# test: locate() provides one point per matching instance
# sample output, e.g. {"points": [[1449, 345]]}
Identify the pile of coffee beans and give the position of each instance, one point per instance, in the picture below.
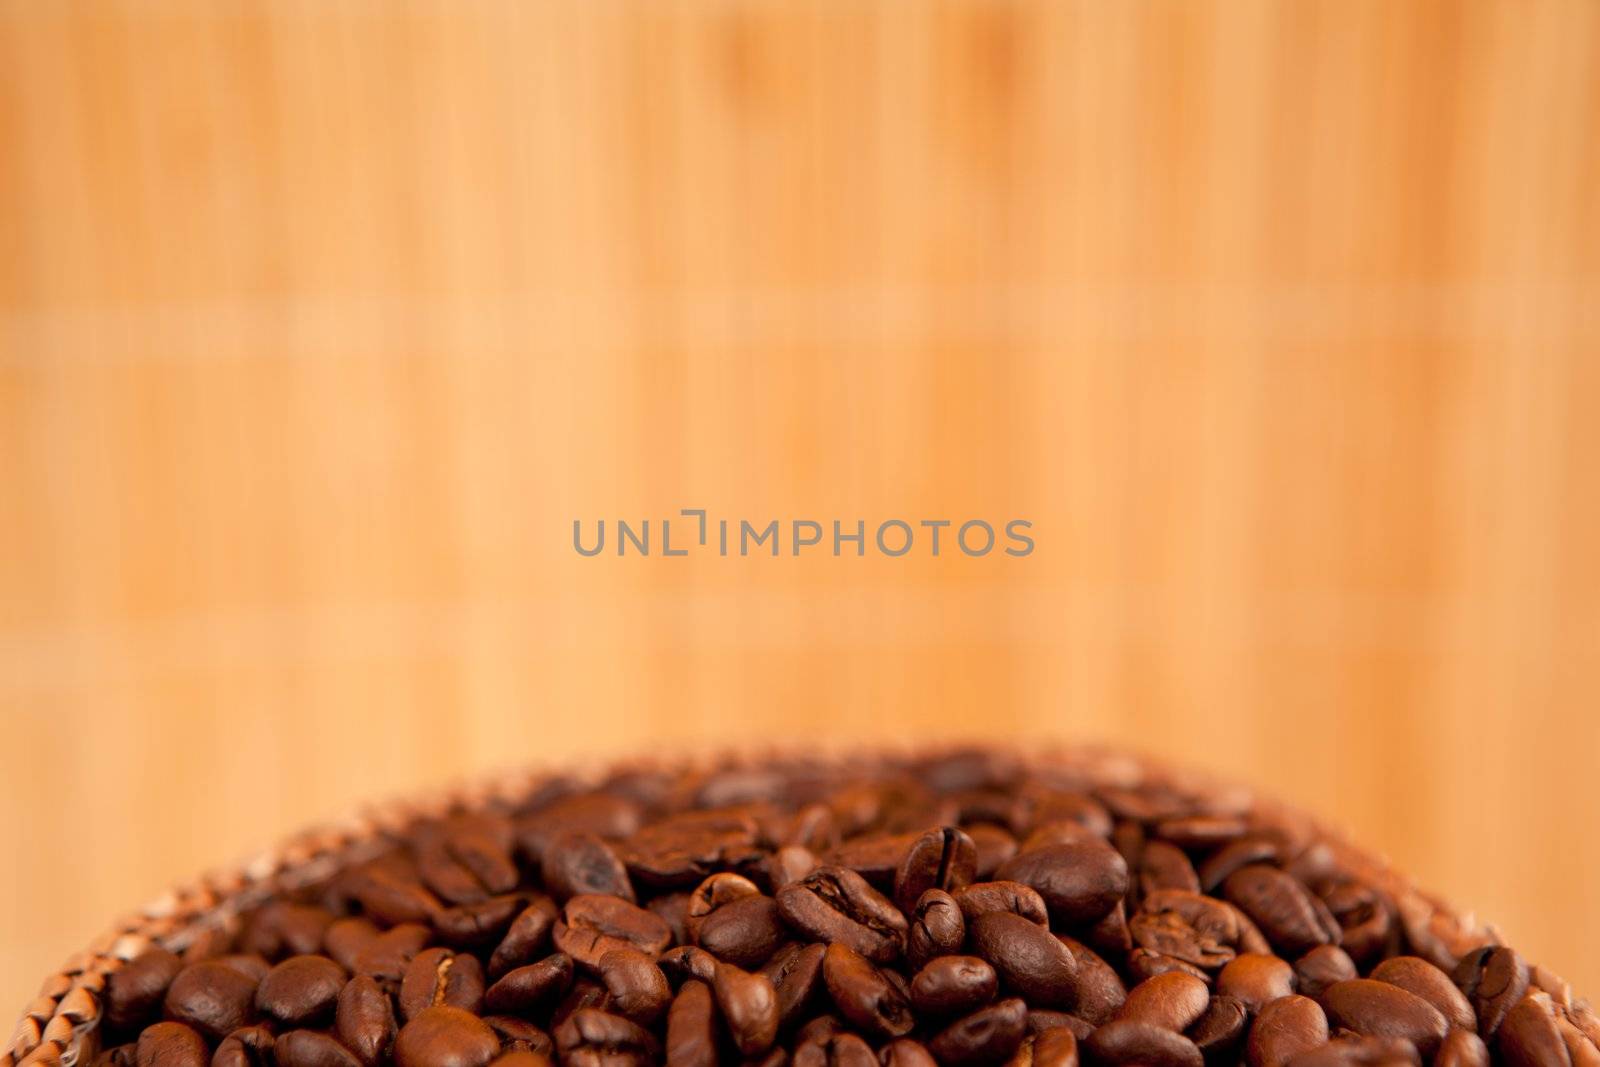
{"points": [[965, 909]]}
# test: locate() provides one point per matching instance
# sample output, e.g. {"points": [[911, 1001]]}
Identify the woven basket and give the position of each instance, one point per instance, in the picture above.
{"points": [[61, 1024]]}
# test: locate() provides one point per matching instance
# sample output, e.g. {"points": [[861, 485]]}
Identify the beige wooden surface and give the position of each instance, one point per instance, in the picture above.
{"points": [[320, 322]]}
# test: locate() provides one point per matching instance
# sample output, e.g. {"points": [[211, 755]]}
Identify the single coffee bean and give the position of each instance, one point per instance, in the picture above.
{"points": [[171, 1045], [691, 1027], [953, 985], [1293, 918], [1172, 1001], [1028, 958], [1129, 1042], [1283, 1029], [308, 1048], [1418, 976], [346, 939], [593, 1038], [593, 925], [1462, 1048], [837, 1050], [944, 859], [864, 995], [1322, 967], [364, 1019], [1056, 1046], [1360, 1052], [1377, 1009], [439, 976], [749, 1006], [1164, 866], [442, 1036], [835, 904], [1494, 979], [524, 990], [1220, 1030], [212, 997], [300, 991], [638, 989], [248, 964], [796, 974], [281, 928], [904, 1052], [937, 928], [1236, 855], [1256, 979], [743, 932], [988, 1035], [688, 961], [526, 937], [994, 846], [387, 955], [519, 1035], [579, 864], [1041, 1019], [1200, 832], [1144, 964], [1366, 917], [1080, 882], [1013, 897], [133, 993], [1097, 992], [1529, 1037], [249, 1046], [477, 924]]}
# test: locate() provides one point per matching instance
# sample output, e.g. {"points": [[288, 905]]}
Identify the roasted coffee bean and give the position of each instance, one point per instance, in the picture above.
{"points": [[391, 891], [133, 993], [939, 859], [993, 846], [1366, 918], [988, 1035], [387, 956], [685, 962], [744, 932], [1293, 918], [749, 1006], [1054, 1047], [835, 1050], [171, 1045], [1494, 979], [1028, 958], [477, 924], [937, 928], [1144, 964], [281, 928], [1529, 1037], [1013, 897], [1128, 1042], [443, 1036], [1320, 968], [1171, 1001], [1255, 979], [1462, 1048], [904, 1052], [248, 964], [1220, 1030], [364, 1019], [790, 864], [692, 1027], [300, 991], [1164, 866], [309, 1048], [212, 997], [835, 904], [466, 859], [1360, 1052], [1284, 1029], [526, 937], [1097, 990], [249, 1046], [1198, 930], [519, 1035], [580, 864], [346, 939], [1378, 1009], [439, 976], [1236, 855], [1079, 882], [1040, 1020], [1416, 975], [524, 990], [863, 995], [953, 985], [1200, 832], [638, 989], [594, 1038], [796, 974], [718, 890], [592, 925]]}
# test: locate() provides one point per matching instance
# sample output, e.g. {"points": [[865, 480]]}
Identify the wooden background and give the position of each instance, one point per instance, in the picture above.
{"points": [[321, 321]]}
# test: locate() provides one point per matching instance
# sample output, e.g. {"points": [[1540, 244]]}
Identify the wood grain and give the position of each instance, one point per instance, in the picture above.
{"points": [[320, 323]]}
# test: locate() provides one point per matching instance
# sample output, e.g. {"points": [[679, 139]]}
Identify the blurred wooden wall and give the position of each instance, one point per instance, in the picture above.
{"points": [[320, 322]]}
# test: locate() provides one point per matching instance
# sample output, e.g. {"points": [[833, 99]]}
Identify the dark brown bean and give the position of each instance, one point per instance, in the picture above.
{"points": [[364, 1019], [691, 1027], [249, 1046], [527, 936], [1220, 1030], [904, 1052], [749, 1006], [937, 928], [1128, 1042], [744, 932], [864, 995], [1013, 897], [1283, 1029], [1355, 1051], [1079, 882], [590, 1037], [953, 985], [988, 1035], [580, 864], [300, 991], [1378, 1009], [1494, 979], [346, 939], [1418, 976], [309, 1048], [1293, 919], [443, 1036], [170, 1044], [1027, 957], [1097, 990], [1171, 1001], [439, 976], [688, 961], [523, 990], [1320, 968], [1056, 1046], [212, 997], [1462, 1048], [796, 974], [133, 993], [1164, 866], [944, 859], [1256, 979], [592, 925], [1529, 1037], [835, 904], [637, 988]]}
